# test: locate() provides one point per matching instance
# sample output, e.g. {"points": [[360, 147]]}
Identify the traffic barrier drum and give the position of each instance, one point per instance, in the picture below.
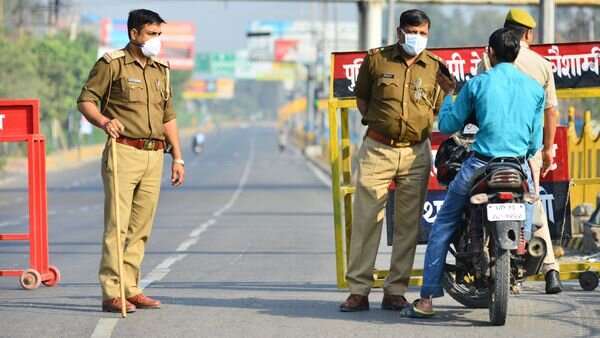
{"points": [[19, 122]]}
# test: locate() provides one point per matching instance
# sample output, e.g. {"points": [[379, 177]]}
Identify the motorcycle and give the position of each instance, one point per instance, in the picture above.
{"points": [[198, 143], [489, 256]]}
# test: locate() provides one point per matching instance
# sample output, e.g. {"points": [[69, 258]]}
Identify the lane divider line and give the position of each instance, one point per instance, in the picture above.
{"points": [[241, 185], [319, 173], [202, 228]]}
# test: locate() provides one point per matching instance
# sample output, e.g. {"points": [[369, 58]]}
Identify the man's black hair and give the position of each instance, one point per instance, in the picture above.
{"points": [[520, 30], [138, 18], [505, 44], [414, 17]]}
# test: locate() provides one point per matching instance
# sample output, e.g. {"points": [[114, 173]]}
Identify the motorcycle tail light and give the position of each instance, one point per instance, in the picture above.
{"points": [[479, 199], [506, 196], [531, 197], [510, 178]]}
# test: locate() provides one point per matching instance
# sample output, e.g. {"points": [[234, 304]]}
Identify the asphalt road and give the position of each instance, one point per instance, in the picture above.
{"points": [[244, 248]]}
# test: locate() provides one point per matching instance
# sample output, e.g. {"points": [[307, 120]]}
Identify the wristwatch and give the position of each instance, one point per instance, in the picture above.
{"points": [[179, 161]]}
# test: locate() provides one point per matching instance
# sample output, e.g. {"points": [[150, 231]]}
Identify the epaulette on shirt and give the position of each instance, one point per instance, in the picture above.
{"points": [[374, 51], [160, 61], [435, 57], [109, 56]]}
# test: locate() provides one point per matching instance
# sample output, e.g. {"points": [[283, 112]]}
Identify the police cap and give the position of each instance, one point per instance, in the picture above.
{"points": [[520, 17]]}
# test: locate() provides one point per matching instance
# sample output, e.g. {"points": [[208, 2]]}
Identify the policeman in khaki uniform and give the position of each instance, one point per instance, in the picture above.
{"points": [[540, 69], [397, 95], [132, 87]]}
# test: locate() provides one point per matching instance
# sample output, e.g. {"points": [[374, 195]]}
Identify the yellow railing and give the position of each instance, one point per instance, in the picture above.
{"points": [[584, 155]]}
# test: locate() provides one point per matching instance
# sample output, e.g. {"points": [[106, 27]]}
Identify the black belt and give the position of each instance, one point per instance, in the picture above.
{"points": [[485, 158]]}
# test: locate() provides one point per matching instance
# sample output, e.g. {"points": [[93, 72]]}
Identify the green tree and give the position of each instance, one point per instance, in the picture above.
{"points": [[63, 66]]}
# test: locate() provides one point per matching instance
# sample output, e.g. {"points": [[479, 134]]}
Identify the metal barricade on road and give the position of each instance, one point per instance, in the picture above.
{"points": [[19, 122]]}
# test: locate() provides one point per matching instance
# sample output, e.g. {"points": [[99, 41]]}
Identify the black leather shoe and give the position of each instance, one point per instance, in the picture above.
{"points": [[553, 284]]}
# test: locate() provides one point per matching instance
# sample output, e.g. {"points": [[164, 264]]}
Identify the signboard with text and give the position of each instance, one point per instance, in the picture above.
{"points": [[574, 65]]}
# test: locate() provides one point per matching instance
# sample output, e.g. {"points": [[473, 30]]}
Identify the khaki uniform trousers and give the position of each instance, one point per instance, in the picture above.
{"points": [[543, 232], [139, 173], [378, 165]]}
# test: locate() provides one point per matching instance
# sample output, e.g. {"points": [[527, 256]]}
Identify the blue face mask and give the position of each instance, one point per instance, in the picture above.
{"points": [[413, 44]]}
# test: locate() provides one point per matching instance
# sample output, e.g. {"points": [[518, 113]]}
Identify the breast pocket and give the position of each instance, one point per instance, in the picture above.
{"points": [[387, 89], [133, 91]]}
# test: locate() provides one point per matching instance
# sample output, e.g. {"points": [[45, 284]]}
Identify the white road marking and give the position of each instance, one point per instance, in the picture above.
{"points": [[5, 224], [241, 185], [170, 261], [105, 327], [240, 255], [186, 244], [202, 228], [319, 173]]}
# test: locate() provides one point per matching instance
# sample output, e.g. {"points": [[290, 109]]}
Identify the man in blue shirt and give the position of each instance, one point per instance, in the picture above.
{"points": [[509, 107]]}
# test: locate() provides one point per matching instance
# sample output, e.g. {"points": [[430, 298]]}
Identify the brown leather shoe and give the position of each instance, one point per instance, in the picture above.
{"points": [[114, 305], [354, 303], [141, 301], [394, 302]]}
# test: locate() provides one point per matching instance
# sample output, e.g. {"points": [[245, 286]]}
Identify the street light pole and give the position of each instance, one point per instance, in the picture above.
{"points": [[391, 36], [547, 13]]}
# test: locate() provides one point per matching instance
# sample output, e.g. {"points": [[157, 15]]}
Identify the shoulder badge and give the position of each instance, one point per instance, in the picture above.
{"points": [[160, 61], [434, 57], [109, 56], [374, 51]]}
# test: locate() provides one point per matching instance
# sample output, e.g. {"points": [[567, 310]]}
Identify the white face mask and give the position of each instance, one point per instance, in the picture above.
{"points": [[413, 44], [151, 47]]}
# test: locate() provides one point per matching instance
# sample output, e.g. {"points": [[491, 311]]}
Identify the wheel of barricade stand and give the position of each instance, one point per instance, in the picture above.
{"points": [[55, 276], [30, 279], [588, 280]]}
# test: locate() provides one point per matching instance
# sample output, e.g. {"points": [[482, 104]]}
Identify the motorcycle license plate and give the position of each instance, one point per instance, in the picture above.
{"points": [[505, 212]]}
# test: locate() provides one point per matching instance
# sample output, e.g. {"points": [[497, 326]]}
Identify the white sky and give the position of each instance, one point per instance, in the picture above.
{"points": [[220, 25]]}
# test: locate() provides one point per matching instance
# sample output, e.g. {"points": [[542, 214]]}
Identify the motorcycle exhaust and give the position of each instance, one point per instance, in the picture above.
{"points": [[537, 247], [536, 253]]}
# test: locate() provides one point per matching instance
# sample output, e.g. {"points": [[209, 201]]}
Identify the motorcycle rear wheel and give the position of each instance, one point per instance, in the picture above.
{"points": [[499, 286], [462, 293]]}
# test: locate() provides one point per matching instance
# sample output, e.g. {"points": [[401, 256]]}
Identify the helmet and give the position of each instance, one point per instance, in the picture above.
{"points": [[448, 160]]}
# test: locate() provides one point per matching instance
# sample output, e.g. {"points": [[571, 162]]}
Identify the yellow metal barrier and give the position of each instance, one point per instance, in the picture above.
{"points": [[584, 155], [583, 152]]}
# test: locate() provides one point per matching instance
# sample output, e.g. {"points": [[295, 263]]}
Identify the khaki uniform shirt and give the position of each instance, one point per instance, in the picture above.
{"points": [[402, 99], [136, 96], [535, 66]]}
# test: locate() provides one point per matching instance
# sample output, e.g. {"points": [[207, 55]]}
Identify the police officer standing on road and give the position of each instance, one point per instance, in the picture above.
{"points": [[133, 89], [535, 66], [397, 95]]}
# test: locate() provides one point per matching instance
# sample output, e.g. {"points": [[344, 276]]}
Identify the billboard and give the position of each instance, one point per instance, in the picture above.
{"points": [[202, 89], [299, 41], [178, 41]]}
